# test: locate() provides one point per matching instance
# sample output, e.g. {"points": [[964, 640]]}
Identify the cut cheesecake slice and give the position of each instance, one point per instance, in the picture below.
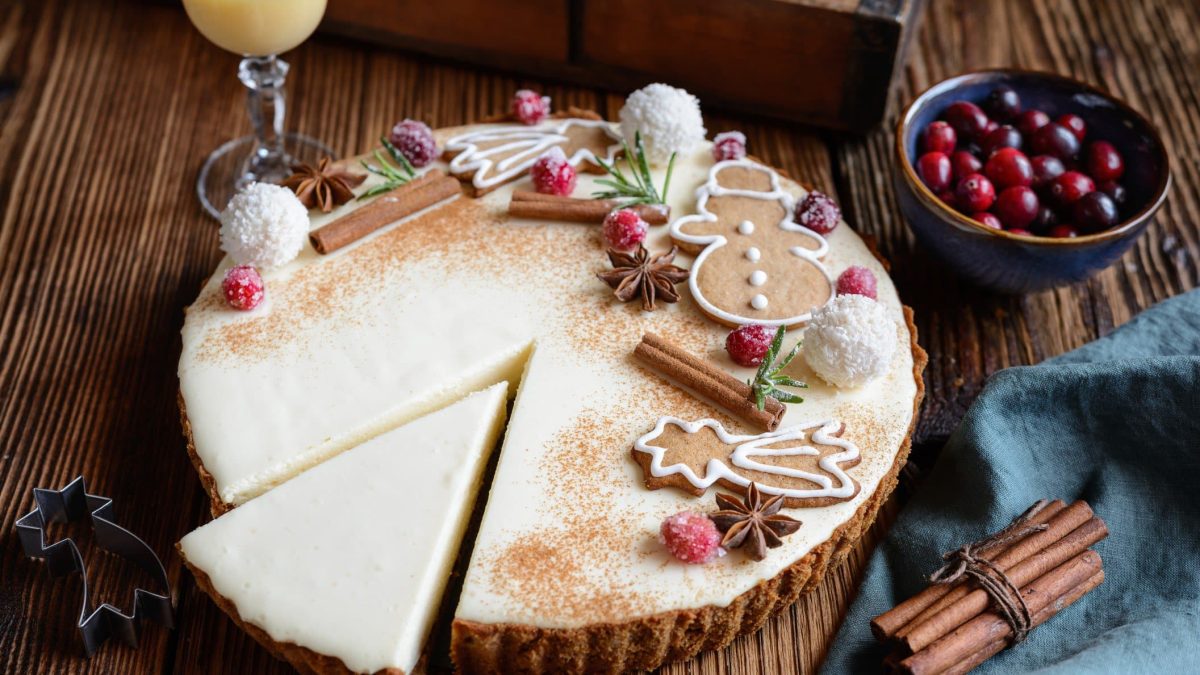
{"points": [[342, 568]]}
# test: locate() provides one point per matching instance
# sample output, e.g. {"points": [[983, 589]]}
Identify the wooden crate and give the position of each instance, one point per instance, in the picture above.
{"points": [[825, 62]]}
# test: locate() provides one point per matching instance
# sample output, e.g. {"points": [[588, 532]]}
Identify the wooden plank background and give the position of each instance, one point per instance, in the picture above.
{"points": [[107, 108]]}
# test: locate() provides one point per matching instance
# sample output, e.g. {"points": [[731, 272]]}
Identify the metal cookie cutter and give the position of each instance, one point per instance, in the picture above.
{"points": [[71, 504]]}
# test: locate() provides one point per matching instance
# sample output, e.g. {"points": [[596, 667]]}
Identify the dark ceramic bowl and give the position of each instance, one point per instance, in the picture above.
{"points": [[1018, 263]]}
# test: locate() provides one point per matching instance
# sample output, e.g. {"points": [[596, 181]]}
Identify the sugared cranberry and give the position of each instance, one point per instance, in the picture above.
{"points": [[987, 218], [1046, 168], [729, 145], [818, 213], [530, 107], [552, 174], [748, 344], [1055, 139], [1017, 207], [975, 193], [415, 141], [1069, 187], [1075, 123], [1003, 137], [1046, 219], [242, 287], [1032, 120], [939, 137], [1063, 232], [1116, 191], [857, 280], [1002, 103], [1095, 211], [691, 537], [964, 164], [624, 229], [934, 170], [1008, 167], [968, 120], [1103, 162]]}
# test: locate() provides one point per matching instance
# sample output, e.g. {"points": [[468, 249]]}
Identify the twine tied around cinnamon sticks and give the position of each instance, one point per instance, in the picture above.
{"points": [[968, 560]]}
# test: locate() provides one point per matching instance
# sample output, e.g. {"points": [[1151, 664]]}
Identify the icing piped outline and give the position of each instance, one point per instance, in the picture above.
{"points": [[712, 242], [751, 446], [468, 157]]}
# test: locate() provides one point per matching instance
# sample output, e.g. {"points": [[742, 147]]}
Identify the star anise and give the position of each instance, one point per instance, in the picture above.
{"points": [[753, 522], [640, 275], [323, 186]]}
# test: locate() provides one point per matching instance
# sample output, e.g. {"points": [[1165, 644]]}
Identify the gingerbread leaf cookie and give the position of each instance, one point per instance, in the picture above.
{"points": [[754, 263], [494, 156], [805, 464]]}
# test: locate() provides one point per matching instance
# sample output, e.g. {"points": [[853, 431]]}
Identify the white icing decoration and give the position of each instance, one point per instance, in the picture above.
{"points": [[531, 142], [753, 254], [758, 278], [712, 188], [748, 447], [746, 227], [759, 301]]}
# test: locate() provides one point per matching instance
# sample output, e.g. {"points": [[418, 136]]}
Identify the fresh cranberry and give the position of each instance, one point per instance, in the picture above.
{"points": [[691, 537], [552, 174], [530, 107], [1075, 123], [992, 125], [415, 141], [987, 218], [1046, 219], [1095, 211], [964, 164], [1055, 139], [748, 344], [947, 197], [1008, 167], [975, 193], [1045, 169], [968, 120], [818, 213], [729, 145], [934, 170], [1103, 162], [1017, 206], [624, 229], [1002, 103], [1021, 231], [857, 280], [1069, 187], [1063, 231], [975, 149], [939, 137], [242, 287], [1003, 137], [1032, 120], [1116, 191]]}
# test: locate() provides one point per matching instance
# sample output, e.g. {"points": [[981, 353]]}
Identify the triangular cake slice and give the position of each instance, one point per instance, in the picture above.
{"points": [[342, 568]]}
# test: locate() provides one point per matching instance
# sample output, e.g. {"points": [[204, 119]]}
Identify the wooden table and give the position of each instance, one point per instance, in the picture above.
{"points": [[107, 108]]}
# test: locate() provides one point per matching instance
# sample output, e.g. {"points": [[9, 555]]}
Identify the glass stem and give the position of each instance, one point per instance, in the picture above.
{"points": [[264, 78]]}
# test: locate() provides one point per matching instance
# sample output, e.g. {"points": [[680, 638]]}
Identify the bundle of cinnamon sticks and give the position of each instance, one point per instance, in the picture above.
{"points": [[952, 628]]}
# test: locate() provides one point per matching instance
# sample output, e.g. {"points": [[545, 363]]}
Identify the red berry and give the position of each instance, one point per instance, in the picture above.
{"points": [[1095, 211], [934, 170], [857, 280], [552, 174], [968, 120], [1002, 137], [1017, 207], [1002, 103], [530, 107], [939, 137], [987, 218], [1116, 191], [1017, 230], [1046, 168], [729, 145], [624, 229], [975, 193], [992, 125], [1103, 162], [1055, 139], [818, 213], [1008, 167], [243, 287], [965, 164], [691, 537], [947, 197], [1075, 123], [1063, 232], [747, 345], [1047, 219], [1032, 120], [415, 141], [1069, 187]]}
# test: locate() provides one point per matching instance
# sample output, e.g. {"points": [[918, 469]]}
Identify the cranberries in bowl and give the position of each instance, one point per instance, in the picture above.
{"points": [[1021, 180]]}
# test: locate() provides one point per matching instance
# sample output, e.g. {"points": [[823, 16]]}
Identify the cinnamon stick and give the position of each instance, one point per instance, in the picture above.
{"points": [[976, 601], [1047, 591], [707, 381], [526, 204], [916, 609], [419, 193]]}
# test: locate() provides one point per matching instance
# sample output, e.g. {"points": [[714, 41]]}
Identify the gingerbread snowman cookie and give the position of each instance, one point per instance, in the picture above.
{"points": [[754, 263]]}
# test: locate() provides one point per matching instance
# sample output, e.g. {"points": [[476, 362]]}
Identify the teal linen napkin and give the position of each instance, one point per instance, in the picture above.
{"points": [[1117, 423]]}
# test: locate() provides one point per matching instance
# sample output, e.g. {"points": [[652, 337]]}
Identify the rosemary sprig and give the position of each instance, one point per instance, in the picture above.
{"points": [[638, 186], [393, 175], [767, 380]]}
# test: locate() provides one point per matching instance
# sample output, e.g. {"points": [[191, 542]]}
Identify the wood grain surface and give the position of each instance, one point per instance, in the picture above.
{"points": [[107, 109]]}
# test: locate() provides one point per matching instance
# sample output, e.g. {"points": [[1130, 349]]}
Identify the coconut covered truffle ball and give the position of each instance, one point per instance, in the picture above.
{"points": [[668, 119], [850, 341], [263, 226]]}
